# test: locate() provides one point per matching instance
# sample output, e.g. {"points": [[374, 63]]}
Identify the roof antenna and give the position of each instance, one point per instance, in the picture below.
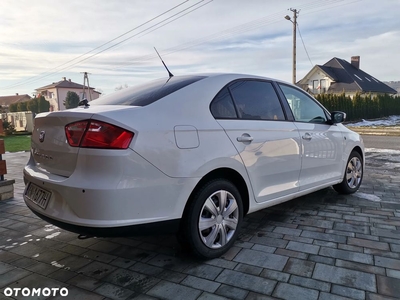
{"points": [[169, 73]]}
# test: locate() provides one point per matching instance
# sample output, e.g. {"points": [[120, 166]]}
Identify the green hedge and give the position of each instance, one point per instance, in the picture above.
{"points": [[362, 106]]}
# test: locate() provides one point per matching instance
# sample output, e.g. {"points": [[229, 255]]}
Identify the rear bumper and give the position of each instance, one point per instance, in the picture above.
{"points": [[109, 194], [164, 227]]}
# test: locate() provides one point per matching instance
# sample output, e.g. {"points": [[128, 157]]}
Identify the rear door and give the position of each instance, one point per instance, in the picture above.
{"points": [[322, 143], [252, 116]]}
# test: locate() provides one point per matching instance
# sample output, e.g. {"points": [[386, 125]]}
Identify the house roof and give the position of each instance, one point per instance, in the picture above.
{"points": [[348, 78], [7, 100], [68, 84]]}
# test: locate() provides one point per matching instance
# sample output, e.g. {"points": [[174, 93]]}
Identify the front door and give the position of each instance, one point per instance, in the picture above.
{"points": [[322, 143]]}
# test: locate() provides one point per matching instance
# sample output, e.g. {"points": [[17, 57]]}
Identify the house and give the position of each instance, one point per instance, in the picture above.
{"points": [[22, 120], [5, 101], [338, 76], [56, 93]]}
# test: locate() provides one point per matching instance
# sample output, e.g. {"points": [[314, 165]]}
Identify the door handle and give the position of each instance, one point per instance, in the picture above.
{"points": [[245, 138], [307, 136]]}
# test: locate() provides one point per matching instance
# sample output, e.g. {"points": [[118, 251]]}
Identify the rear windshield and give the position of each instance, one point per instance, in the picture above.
{"points": [[148, 93]]}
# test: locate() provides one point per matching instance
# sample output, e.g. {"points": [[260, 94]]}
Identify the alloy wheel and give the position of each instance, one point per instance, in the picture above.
{"points": [[354, 172]]}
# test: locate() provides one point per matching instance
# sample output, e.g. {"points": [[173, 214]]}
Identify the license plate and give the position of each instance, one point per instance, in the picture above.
{"points": [[38, 195]]}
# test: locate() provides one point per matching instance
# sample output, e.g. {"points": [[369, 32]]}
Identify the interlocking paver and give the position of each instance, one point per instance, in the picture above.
{"points": [[289, 291], [248, 282], [324, 236], [368, 244], [169, 290], [310, 283], [321, 245], [347, 255], [299, 267], [302, 247], [388, 286], [262, 259], [359, 267], [350, 278], [232, 292], [114, 292], [387, 262], [348, 292], [275, 275], [12, 276], [201, 284]]}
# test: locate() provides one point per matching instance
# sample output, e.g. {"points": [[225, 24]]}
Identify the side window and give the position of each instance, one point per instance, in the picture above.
{"points": [[222, 106], [304, 108], [256, 100]]}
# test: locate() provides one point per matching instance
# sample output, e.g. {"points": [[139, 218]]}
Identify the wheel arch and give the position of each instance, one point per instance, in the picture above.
{"points": [[230, 175], [359, 151]]}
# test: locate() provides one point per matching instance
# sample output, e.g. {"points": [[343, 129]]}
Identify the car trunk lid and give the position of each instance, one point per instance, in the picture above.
{"points": [[49, 146]]}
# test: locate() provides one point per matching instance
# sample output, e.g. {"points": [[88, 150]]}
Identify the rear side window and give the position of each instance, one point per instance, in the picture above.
{"points": [[256, 100], [222, 106], [148, 93]]}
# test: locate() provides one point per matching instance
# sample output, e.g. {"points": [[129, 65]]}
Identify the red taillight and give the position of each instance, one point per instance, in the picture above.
{"points": [[97, 134], [74, 132]]}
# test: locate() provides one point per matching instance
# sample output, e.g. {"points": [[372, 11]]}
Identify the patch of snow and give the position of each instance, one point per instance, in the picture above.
{"points": [[53, 235], [386, 151], [390, 121], [50, 228], [367, 197], [8, 152], [56, 264]]}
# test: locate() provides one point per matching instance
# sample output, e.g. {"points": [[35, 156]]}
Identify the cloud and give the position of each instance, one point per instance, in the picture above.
{"points": [[223, 36]]}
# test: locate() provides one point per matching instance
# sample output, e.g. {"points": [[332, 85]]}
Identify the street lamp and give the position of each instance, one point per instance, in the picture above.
{"points": [[295, 13]]}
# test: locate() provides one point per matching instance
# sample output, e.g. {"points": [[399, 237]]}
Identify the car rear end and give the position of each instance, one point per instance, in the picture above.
{"points": [[84, 175]]}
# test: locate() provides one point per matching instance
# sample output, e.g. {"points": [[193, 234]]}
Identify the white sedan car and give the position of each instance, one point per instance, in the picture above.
{"points": [[188, 154]]}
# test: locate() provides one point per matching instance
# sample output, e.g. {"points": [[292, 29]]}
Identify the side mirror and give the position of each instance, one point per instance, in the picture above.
{"points": [[338, 117]]}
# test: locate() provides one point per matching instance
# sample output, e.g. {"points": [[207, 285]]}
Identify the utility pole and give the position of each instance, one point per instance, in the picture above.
{"points": [[295, 14], [86, 79]]}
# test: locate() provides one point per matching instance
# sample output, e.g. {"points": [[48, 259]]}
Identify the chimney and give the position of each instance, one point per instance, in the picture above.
{"points": [[69, 79], [64, 78], [16, 94], [355, 62]]}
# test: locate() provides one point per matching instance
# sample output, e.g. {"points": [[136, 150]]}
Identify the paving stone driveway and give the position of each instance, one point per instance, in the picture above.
{"points": [[321, 246]]}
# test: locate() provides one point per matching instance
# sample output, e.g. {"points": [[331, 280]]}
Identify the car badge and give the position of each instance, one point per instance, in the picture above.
{"points": [[41, 136]]}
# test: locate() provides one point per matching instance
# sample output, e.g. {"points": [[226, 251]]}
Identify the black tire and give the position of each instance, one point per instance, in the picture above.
{"points": [[217, 224], [353, 175]]}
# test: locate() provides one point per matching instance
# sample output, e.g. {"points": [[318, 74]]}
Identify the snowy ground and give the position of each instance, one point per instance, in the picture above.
{"points": [[390, 121]]}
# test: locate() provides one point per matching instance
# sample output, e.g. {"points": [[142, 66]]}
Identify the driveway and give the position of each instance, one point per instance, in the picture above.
{"points": [[320, 246]]}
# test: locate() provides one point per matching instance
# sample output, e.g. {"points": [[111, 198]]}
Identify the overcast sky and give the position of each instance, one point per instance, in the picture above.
{"points": [[42, 41]]}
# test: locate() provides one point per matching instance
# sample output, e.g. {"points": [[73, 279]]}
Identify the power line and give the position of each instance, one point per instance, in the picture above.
{"points": [[217, 36], [298, 29], [245, 27], [110, 41]]}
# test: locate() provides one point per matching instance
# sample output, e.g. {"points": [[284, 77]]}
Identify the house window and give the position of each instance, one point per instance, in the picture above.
{"points": [[323, 86], [315, 86]]}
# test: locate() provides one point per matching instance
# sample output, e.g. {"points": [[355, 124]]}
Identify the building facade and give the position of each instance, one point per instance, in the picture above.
{"points": [[338, 76], [56, 93]]}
